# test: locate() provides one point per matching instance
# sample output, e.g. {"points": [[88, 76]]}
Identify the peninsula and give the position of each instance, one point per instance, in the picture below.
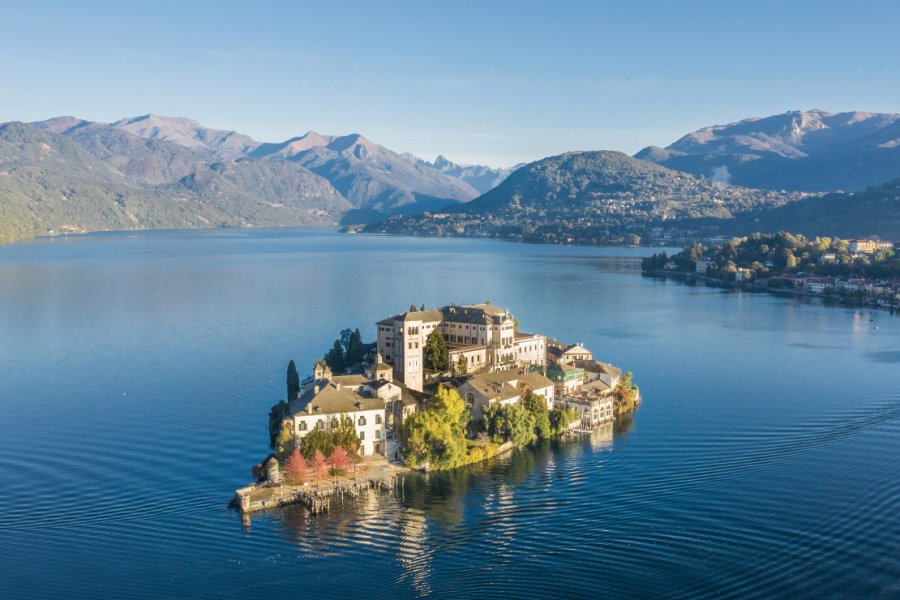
{"points": [[438, 389]]}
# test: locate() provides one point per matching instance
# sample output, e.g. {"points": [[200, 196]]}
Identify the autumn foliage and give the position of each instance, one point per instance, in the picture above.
{"points": [[295, 469], [319, 465], [340, 460]]}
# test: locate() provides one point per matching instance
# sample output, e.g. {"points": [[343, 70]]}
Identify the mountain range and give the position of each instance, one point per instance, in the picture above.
{"points": [[812, 151], [69, 174], [599, 197]]}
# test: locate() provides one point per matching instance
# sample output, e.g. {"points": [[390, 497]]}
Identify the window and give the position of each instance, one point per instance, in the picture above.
{"points": [[320, 424], [362, 421], [377, 434], [301, 426], [362, 435], [334, 423], [378, 419]]}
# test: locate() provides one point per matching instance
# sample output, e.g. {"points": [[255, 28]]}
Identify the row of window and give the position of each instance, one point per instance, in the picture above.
{"points": [[320, 424]]}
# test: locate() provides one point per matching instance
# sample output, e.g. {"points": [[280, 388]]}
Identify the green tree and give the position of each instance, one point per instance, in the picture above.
{"points": [[353, 353], [317, 440], [412, 308], [437, 435], [519, 424], [462, 365], [558, 421], [345, 435], [276, 415], [286, 441], [293, 381], [537, 406], [625, 395], [335, 357], [436, 352]]}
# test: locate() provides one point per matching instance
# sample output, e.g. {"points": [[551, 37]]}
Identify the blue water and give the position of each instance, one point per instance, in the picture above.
{"points": [[136, 372]]}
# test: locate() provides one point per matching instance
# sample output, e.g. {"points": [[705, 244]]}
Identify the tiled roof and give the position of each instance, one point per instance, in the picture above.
{"points": [[351, 380], [332, 399]]}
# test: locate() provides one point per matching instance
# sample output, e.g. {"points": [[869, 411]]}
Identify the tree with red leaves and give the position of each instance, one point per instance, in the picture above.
{"points": [[295, 469], [339, 461], [320, 465]]}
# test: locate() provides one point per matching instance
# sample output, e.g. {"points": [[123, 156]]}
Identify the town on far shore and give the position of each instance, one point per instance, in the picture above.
{"points": [[853, 272], [439, 388]]}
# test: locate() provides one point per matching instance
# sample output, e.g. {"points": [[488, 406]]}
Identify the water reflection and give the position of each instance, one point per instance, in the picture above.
{"points": [[435, 514]]}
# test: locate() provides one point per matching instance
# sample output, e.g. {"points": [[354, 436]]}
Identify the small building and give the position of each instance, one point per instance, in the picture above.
{"points": [[605, 372], [567, 378], [591, 410], [508, 387], [702, 266], [560, 353]]}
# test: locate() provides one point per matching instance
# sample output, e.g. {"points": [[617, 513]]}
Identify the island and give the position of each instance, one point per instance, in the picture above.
{"points": [[437, 389]]}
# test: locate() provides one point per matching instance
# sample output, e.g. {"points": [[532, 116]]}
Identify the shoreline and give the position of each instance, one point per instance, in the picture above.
{"points": [[319, 497], [829, 299]]}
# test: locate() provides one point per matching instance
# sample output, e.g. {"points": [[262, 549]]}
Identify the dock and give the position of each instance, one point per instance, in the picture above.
{"points": [[317, 497]]}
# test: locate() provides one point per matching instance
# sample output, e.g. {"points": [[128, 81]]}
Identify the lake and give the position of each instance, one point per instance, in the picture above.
{"points": [[137, 370]]}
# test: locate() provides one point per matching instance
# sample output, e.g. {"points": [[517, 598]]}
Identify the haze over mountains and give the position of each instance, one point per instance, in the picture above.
{"points": [[65, 174], [68, 174], [813, 151], [599, 197]]}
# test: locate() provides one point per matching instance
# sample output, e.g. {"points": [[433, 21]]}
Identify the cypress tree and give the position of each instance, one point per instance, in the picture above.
{"points": [[293, 381]]}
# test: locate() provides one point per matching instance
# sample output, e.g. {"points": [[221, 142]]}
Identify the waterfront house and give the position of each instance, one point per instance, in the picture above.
{"points": [[591, 410]]}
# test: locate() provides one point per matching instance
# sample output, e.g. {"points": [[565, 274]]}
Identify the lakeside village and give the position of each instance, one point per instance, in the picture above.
{"points": [[852, 272], [438, 389]]}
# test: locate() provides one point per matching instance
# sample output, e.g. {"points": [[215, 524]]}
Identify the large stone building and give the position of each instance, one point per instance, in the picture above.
{"points": [[375, 403], [484, 335]]}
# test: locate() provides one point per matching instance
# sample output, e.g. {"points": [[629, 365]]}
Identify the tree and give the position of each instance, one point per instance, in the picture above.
{"points": [[293, 381], [462, 365], [558, 421], [353, 353], [437, 435], [537, 406], [335, 357], [345, 436], [276, 416], [519, 424], [295, 469], [511, 422], [319, 466], [286, 440], [412, 308], [317, 440], [624, 395], [340, 461], [436, 353]]}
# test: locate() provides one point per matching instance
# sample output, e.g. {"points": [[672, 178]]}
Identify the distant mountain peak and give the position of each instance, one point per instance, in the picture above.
{"points": [[808, 150]]}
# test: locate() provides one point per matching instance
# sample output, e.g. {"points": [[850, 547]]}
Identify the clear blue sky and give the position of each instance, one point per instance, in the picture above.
{"points": [[493, 82]]}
